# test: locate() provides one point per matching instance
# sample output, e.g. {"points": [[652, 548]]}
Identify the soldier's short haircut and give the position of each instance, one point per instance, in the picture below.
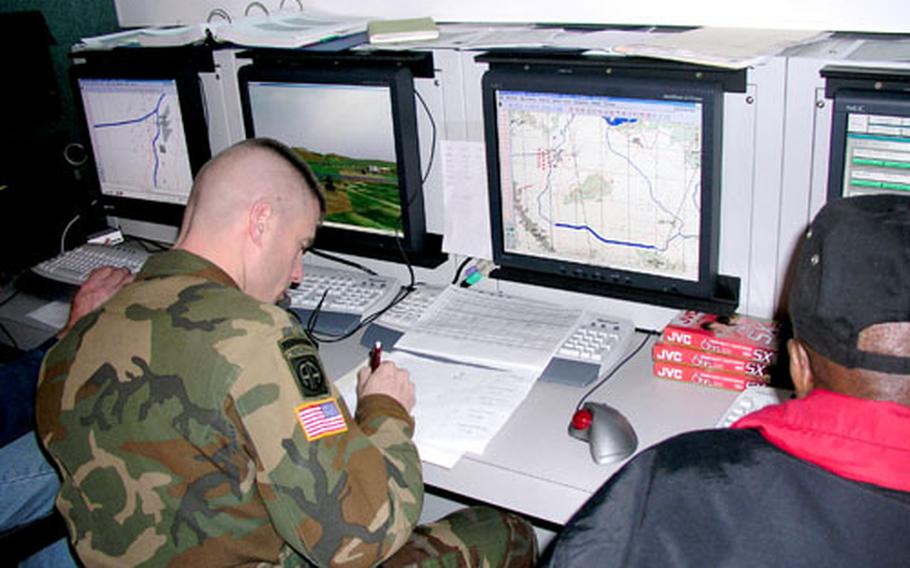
{"points": [[290, 156]]}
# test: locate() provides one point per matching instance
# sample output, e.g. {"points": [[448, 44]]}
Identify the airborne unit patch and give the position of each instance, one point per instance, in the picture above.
{"points": [[320, 418], [304, 364]]}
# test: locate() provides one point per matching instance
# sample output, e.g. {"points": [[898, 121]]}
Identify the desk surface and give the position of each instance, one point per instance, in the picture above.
{"points": [[532, 466]]}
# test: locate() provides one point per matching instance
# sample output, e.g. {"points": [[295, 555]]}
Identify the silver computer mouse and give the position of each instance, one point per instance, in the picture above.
{"points": [[607, 431]]}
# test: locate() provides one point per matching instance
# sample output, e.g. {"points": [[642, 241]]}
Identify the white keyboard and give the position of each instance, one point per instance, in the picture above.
{"points": [[750, 400], [465, 321], [597, 338], [403, 315], [349, 292], [74, 266]]}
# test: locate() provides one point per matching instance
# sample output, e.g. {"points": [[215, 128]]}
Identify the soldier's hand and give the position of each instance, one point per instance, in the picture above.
{"points": [[389, 380]]}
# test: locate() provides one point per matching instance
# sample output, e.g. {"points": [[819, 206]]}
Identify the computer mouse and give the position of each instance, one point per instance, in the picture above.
{"points": [[607, 431]]}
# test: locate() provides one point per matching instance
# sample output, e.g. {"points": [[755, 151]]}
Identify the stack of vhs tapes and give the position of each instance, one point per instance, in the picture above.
{"points": [[731, 352]]}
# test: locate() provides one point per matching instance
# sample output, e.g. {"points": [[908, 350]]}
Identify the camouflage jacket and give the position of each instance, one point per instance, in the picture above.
{"points": [[193, 425]]}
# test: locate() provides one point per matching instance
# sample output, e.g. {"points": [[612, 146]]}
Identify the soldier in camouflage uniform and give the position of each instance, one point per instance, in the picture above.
{"points": [[191, 419]]}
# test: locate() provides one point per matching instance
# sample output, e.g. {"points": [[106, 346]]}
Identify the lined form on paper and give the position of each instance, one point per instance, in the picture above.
{"points": [[459, 407], [483, 328]]}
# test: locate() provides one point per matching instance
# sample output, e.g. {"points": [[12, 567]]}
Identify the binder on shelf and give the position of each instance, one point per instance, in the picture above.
{"points": [[393, 31]]}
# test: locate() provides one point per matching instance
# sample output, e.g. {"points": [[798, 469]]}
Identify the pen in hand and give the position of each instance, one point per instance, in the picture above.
{"points": [[376, 356]]}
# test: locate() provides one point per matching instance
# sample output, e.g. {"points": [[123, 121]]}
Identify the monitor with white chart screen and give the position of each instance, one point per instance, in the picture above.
{"points": [[870, 144], [605, 181], [148, 138]]}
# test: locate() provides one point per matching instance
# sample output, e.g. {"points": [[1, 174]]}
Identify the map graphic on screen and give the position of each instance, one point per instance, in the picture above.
{"points": [[137, 135], [602, 181]]}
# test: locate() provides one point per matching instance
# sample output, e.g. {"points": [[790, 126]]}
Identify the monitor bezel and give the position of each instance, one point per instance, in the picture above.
{"points": [[846, 102], [195, 131], [605, 280], [400, 83]]}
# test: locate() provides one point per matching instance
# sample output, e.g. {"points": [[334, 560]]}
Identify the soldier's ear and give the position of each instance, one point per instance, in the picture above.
{"points": [[800, 368], [258, 222]]}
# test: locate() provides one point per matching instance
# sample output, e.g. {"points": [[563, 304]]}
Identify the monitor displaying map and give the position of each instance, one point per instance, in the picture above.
{"points": [[603, 180], [137, 135], [145, 122]]}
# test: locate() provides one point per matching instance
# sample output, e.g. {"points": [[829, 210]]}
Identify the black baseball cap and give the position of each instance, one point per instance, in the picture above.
{"points": [[853, 271]]}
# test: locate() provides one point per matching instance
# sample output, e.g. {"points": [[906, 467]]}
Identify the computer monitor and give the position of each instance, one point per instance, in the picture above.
{"points": [[607, 185], [148, 136], [870, 144], [357, 130]]}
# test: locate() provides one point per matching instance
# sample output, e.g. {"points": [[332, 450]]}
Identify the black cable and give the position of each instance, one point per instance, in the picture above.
{"points": [[10, 336], [314, 315], [6, 300], [432, 159], [459, 269], [340, 260], [402, 293], [615, 368], [407, 261]]}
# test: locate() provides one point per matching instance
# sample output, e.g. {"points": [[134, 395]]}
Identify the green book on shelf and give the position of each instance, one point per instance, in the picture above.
{"points": [[392, 31]]}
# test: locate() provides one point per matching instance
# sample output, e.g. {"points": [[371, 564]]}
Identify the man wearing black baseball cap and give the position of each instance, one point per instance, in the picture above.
{"points": [[823, 480]]}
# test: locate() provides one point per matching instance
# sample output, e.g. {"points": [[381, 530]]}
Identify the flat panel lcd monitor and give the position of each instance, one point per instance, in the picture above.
{"points": [[870, 144], [357, 130], [148, 138], [605, 180]]}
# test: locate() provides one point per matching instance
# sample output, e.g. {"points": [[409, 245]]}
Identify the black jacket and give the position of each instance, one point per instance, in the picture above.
{"points": [[731, 498]]}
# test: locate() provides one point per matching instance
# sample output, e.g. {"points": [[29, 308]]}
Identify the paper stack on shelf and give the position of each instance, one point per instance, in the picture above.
{"points": [[149, 37], [290, 29], [732, 352], [285, 29], [733, 48]]}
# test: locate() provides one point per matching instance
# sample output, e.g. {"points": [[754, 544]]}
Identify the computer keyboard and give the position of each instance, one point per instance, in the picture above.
{"points": [[583, 344], [404, 314], [391, 325], [74, 266], [349, 296], [594, 347], [750, 400]]}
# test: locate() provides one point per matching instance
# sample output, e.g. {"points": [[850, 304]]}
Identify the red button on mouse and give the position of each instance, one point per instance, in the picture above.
{"points": [[582, 419]]}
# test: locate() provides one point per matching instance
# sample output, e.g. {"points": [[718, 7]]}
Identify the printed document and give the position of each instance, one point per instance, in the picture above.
{"points": [[459, 407], [489, 329]]}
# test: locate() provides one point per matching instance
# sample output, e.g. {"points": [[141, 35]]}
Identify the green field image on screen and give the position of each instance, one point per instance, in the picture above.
{"points": [[359, 192]]}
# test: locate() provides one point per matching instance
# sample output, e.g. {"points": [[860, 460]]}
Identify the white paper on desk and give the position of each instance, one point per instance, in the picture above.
{"points": [[494, 330], [53, 314], [467, 215], [459, 407]]}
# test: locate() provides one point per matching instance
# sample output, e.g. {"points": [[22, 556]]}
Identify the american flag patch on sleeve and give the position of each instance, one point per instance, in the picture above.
{"points": [[321, 418]]}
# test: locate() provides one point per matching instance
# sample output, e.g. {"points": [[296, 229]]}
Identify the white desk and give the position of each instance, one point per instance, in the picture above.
{"points": [[532, 466]]}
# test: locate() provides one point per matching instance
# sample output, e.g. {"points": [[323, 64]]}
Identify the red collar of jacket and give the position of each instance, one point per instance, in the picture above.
{"points": [[862, 440]]}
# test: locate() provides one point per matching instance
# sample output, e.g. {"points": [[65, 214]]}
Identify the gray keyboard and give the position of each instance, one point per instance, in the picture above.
{"points": [[74, 266], [403, 315], [750, 400], [593, 348], [345, 291]]}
